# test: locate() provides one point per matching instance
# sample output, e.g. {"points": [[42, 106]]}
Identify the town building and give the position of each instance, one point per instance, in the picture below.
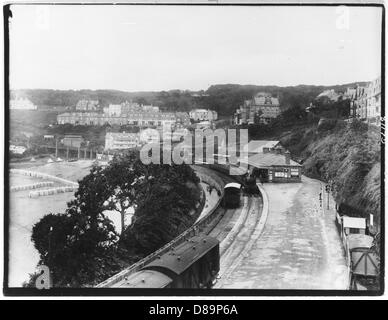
{"points": [[114, 110], [365, 103], [141, 119], [22, 104], [72, 141], [121, 140], [262, 108], [374, 101], [150, 136], [182, 119], [203, 115], [87, 105], [126, 108]]}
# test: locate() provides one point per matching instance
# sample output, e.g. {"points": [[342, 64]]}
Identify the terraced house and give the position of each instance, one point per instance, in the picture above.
{"points": [[365, 103], [122, 114]]}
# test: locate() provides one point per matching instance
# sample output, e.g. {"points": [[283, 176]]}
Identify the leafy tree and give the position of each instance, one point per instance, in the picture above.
{"points": [[81, 246]]}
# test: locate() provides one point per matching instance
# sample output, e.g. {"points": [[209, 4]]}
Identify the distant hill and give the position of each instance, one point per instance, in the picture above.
{"points": [[223, 98]]}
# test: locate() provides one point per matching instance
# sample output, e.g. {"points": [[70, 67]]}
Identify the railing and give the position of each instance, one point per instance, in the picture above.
{"points": [[44, 176], [206, 222], [49, 192], [32, 186]]}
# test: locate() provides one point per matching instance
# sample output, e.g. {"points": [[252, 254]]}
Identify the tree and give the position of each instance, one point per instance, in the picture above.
{"points": [[81, 246], [124, 174], [162, 215]]}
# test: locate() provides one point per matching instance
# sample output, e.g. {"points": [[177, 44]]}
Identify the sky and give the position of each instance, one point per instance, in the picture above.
{"points": [[153, 48]]}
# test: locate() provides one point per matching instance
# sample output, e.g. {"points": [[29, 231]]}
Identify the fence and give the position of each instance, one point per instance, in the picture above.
{"points": [[32, 186], [70, 186], [206, 222], [49, 192], [44, 176]]}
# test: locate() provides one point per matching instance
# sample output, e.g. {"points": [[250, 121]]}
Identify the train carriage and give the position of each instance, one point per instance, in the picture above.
{"points": [[232, 192], [192, 264]]}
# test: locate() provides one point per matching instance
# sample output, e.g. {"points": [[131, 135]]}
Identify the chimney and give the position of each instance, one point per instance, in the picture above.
{"points": [[287, 155]]}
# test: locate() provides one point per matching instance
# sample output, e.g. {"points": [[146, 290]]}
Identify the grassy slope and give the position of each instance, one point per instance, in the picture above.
{"points": [[347, 154]]}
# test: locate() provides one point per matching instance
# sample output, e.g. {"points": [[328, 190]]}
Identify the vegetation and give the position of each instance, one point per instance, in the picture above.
{"points": [[222, 98], [330, 149], [348, 155], [81, 246]]}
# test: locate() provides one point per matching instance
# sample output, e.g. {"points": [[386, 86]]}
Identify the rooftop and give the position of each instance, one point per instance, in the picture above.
{"points": [[258, 145], [263, 160]]}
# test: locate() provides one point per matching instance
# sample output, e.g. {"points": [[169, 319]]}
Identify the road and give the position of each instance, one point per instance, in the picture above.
{"points": [[299, 247]]}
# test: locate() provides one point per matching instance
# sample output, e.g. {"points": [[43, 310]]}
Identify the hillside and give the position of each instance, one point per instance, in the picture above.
{"points": [[347, 154], [224, 98]]}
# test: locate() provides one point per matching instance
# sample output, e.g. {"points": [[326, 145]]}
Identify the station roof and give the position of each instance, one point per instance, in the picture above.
{"points": [[265, 160], [180, 258], [258, 145]]}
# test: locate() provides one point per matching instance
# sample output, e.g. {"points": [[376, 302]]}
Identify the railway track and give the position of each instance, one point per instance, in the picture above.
{"points": [[230, 226], [240, 244], [237, 230]]}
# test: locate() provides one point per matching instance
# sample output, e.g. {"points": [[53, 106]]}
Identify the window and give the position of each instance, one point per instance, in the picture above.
{"points": [[294, 172], [279, 174]]}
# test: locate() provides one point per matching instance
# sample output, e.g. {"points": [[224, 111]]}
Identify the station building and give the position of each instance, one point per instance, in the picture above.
{"points": [[269, 161]]}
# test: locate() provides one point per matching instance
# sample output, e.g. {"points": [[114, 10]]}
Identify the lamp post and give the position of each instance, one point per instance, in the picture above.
{"points": [[49, 258]]}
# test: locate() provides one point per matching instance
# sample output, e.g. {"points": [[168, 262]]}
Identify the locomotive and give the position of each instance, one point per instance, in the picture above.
{"points": [[250, 186], [194, 263]]}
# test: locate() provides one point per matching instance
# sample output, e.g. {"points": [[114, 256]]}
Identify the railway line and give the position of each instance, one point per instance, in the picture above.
{"points": [[229, 228], [237, 231]]}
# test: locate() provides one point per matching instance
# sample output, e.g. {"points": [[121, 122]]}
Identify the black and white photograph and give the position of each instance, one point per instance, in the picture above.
{"points": [[194, 148]]}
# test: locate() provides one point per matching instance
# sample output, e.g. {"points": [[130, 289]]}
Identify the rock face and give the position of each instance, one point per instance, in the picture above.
{"points": [[346, 154]]}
